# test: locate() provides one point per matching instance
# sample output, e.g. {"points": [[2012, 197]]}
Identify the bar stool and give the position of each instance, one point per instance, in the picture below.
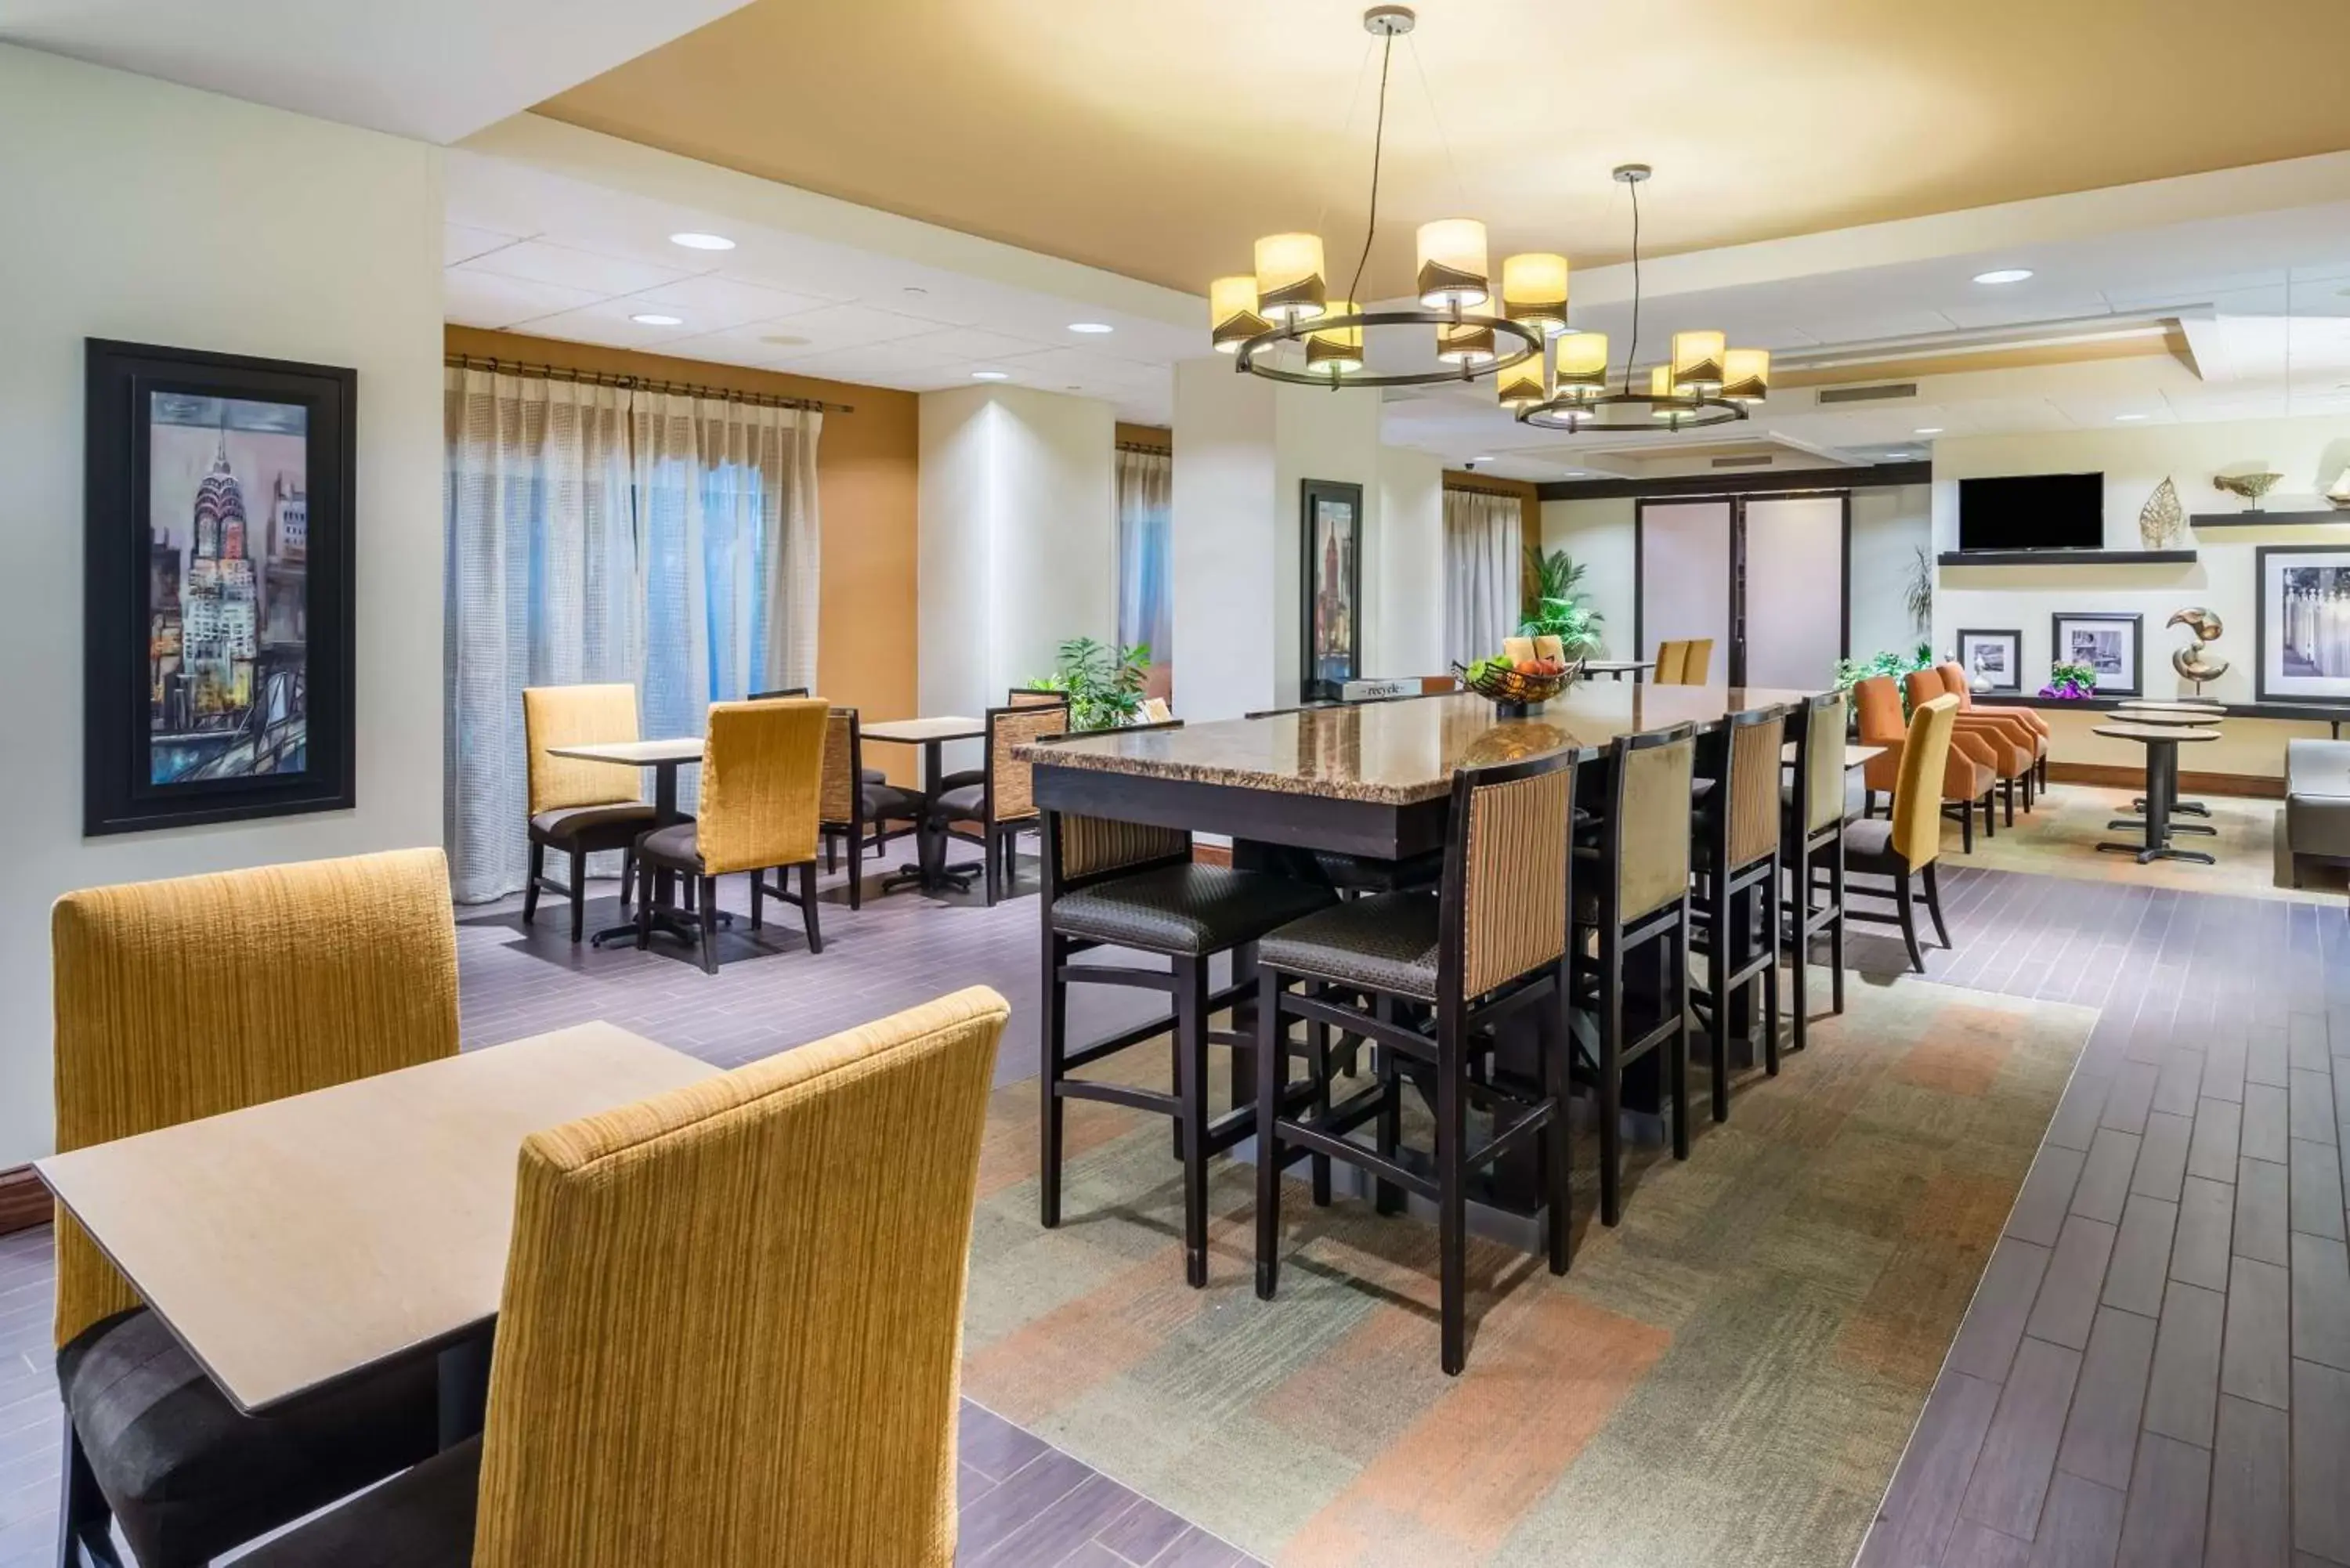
{"points": [[1632, 894], [1909, 840], [1731, 911], [1491, 941], [1810, 841], [1126, 885]]}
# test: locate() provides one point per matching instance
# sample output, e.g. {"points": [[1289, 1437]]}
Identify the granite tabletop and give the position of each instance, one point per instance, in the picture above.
{"points": [[1396, 753]]}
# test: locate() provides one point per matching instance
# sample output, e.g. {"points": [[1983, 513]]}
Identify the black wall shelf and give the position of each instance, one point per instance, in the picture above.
{"points": [[2303, 712], [2266, 519], [2065, 558]]}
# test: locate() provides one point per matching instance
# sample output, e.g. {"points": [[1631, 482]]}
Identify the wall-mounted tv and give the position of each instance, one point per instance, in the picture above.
{"points": [[2032, 512]]}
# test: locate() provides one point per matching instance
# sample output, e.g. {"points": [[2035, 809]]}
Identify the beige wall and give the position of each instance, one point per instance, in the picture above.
{"points": [[1599, 534], [866, 465]]}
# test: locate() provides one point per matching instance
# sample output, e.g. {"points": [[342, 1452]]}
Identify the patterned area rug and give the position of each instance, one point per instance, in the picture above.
{"points": [[1730, 1375]]}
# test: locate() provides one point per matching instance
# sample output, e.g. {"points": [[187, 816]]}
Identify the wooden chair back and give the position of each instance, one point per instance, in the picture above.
{"points": [[206, 994], [1504, 897], [575, 716], [762, 784], [733, 1321]]}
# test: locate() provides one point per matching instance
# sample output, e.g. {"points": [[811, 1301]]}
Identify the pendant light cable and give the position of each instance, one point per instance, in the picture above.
{"points": [[1632, 354], [1378, 137]]}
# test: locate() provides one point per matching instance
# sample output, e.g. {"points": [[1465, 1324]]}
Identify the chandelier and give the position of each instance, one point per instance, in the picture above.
{"points": [[1286, 298], [1706, 381]]}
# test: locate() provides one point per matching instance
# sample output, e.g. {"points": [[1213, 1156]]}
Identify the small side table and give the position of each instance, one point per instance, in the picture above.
{"points": [[2161, 743], [2176, 716]]}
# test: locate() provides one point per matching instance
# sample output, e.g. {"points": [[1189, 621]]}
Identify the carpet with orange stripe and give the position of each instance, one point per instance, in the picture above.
{"points": [[1729, 1376]]}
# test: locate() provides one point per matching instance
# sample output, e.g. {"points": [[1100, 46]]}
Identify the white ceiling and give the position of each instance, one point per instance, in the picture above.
{"points": [[434, 69]]}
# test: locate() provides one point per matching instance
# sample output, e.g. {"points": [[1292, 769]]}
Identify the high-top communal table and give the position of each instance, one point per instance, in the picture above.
{"points": [[295, 1242], [1371, 780], [2161, 743]]}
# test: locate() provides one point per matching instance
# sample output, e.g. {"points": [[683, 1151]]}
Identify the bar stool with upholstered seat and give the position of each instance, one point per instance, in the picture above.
{"points": [[1116, 884], [1907, 842], [762, 780], [579, 808], [1736, 842], [1493, 941], [1632, 896], [1811, 844]]}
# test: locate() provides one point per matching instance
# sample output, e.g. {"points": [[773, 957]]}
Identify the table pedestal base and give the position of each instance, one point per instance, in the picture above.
{"points": [[2163, 852]]}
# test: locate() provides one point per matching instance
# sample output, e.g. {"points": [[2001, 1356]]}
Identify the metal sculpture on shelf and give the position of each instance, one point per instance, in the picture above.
{"points": [[2189, 662], [2250, 487], [2161, 519]]}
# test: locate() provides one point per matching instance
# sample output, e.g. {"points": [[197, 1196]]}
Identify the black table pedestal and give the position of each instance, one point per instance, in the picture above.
{"points": [[930, 870], [2161, 788]]}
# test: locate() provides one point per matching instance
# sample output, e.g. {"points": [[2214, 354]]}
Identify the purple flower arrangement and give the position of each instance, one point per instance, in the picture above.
{"points": [[2071, 681]]}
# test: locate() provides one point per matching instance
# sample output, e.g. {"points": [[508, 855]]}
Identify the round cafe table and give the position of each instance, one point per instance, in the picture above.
{"points": [[2161, 743], [2178, 716]]}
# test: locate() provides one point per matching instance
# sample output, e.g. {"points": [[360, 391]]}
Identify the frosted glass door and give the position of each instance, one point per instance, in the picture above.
{"points": [[1794, 591], [1685, 577]]}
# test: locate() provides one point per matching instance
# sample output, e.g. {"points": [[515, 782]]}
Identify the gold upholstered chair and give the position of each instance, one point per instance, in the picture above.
{"points": [[579, 808], [1491, 941], [1669, 658], [1908, 841], [191, 998], [731, 1327], [1697, 661], [762, 793], [993, 811]]}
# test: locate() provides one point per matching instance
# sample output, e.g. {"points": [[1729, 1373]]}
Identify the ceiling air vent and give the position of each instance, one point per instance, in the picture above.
{"points": [[1868, 394], [1763, 462]]}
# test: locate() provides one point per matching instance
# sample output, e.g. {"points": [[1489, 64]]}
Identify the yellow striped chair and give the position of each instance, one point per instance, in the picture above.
{"points": [[732, 1330], [1492, 941], [577, 808], [191, 998]]}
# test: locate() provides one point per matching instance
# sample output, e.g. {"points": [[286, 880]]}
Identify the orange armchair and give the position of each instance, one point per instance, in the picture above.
{"points": [[1968, 777], [1954, 682], [2011, 744]]}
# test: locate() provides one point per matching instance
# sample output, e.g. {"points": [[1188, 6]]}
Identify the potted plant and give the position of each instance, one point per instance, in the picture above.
{"points": [[2071, 681], [1886, 662], [1104, 684], [1561, 609]]}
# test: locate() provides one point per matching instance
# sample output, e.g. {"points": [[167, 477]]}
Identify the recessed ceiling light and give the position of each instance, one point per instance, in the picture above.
{"points": [[1577, 472], [654, 318], [1483, 457], [2124, 418], [1926, 430], [991, 375], [913, 288], [1091, 326], [699, 242], [2004, 275]]}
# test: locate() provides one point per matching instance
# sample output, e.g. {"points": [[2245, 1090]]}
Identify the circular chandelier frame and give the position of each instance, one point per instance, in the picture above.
{"points": [[1529, 336], [1689, 411]]}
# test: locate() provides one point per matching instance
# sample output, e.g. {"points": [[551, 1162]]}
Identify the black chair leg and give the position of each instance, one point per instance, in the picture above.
{"points": [[1674, 951], [1907, 906], [628, 876], [759, 897], [1762, 894], [708, 890], [1558, 1186], [1989, 811], [1053, 1039], [1799, 948], [578, 894], [85, 1523], [1611, 1073], [644, 904], [1835, 927], [1272, 1085], [1720, 959], [530, 890], [1191, 1111], [1388, 1198], [1452, 1191], [1934, 903], [1967, 828], [807, 906], [992, 860]]}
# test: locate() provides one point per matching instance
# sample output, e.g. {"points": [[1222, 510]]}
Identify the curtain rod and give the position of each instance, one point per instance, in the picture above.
{"points": [[1486, 489], [1145, 448], [641, 383]]}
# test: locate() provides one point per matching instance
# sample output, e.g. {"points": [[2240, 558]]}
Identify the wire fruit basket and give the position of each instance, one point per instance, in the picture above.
{"points": [[1513, 691]]}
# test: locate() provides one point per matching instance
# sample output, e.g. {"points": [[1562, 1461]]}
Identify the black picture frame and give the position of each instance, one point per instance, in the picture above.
{"points": [[298, 689], [1328, 662], [2013, 685], [2268, 616], [2105, 684]]}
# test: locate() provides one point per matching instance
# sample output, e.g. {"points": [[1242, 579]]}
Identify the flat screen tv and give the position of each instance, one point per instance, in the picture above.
{"points": [[2032, 512]]}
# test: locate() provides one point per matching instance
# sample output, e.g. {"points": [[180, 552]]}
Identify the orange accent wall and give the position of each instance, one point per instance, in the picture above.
{"points": [[866, 489]]}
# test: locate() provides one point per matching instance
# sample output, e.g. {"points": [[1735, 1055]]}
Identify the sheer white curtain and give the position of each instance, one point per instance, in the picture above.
{"points": [[541, 590], [1480, 572], [600, 533], [1146, 595]]}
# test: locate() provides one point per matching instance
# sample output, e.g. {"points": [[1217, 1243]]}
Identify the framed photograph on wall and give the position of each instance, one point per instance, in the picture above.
{"points": [[2108, 642], [217, 587], [2304, 624], [1330, 518], [1993, 660]]}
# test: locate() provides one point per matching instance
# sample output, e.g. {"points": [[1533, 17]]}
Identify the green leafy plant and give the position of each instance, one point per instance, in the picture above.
{"points": [[1104, 684], [1886, 662], [1561, 609], [1920, 595]]}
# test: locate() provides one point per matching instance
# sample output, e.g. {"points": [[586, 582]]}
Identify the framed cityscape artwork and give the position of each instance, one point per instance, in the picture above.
{"points": [[217, 588], [1330, 517], [2106, 642], [1993, 660], [2303, 625]]}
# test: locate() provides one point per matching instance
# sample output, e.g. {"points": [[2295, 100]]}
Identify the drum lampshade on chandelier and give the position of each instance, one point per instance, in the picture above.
{"points": [[1545, 374]]}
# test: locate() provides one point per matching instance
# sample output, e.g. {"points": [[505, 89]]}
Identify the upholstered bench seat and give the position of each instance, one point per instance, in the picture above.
{"points": [[189, 1478], [2316, 801], [1190, 908], [1386, 941]]}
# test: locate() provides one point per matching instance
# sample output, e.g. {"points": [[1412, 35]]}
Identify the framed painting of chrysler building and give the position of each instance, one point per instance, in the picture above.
{"points": [[217, 642]]}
